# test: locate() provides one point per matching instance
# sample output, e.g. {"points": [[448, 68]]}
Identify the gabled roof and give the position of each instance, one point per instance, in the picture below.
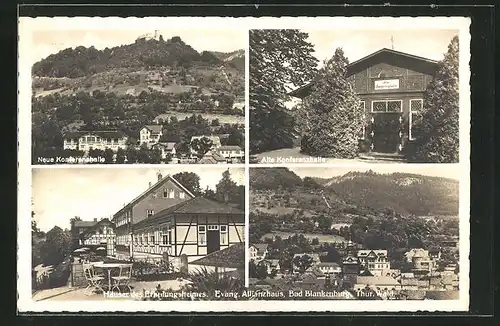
{"points": [[353, 66], [152, 189], [169, 146], [215, 139], [84, 224], [196, 205], [260, 246], [231, 257], [391, 52], [95, 226], [155, 129], [229, 148]]}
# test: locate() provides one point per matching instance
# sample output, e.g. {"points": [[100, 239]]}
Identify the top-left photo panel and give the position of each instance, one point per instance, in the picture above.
{"points": [[141, 92]]}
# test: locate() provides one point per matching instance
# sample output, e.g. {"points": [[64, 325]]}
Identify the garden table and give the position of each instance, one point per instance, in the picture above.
{"points": [[108, 267]]}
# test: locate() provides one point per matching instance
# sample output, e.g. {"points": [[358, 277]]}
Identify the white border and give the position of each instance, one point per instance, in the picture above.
{"points": [[27, 25]]}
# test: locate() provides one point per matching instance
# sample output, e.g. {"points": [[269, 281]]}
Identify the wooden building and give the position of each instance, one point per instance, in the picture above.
{"points": [[390, 85], [166, 192], [196, 227]]}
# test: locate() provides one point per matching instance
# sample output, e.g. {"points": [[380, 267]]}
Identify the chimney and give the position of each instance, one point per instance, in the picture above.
{"points": [[95, 219], [150, 184], [159, 176]]}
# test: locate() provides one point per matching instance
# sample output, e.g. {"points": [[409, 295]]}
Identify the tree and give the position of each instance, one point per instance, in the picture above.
{"points": [[132, 155], [182, 149], [120, 156], [226, 189], [324, 223], [108, 156], [190, 180], [303, 262], [57, 246], [335, 113], [437, 131], [310, 183], [277, 58], [201, 146], [235, 138]]}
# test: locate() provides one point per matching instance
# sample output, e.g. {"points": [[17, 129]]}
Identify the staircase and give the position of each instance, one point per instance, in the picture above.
{"points": [[386, 157]]}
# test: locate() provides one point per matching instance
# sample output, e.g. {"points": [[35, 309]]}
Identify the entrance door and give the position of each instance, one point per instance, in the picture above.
{"points": [[213, 238], [386, 129]]}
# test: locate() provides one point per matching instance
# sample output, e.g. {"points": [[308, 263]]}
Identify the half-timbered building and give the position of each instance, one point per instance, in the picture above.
{"points": [[195, 227], [166, 192], [391, 85], [99, 236]]}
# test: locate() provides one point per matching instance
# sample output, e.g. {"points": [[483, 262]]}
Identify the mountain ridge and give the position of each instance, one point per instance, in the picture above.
{"points": [[83, 61]]}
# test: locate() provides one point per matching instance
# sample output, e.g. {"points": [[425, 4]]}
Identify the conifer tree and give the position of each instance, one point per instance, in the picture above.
{"points": [[437, 130], [279, 61], [335, 116]]}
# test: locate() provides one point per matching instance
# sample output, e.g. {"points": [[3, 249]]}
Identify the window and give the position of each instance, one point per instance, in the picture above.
{"points": [[166, 235], [416, 107], [152, 238], [223, 234], [165, 193], [155, 195], [387, 106], [202, 235], [213, 227], [149, 212], [182, 195], [171, 193]]}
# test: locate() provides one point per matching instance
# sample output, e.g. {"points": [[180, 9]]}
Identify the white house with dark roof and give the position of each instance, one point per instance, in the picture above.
{"points": [[165, 149], [87, 140], [375, 261], [150, 134], [329, 268], [230, 152], [258, 251]]}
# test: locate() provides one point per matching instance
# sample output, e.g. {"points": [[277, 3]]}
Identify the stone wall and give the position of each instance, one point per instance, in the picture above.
{"points": [[77, 278]]}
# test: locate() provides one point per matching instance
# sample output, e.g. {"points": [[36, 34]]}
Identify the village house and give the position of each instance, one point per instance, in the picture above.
{"points": [[258, 251], [231, 152], [100, 236], [390, 85], [150, 134], [271, 265], [212, 157], [384, 286], [166, 192], [195, 227], [167, 148], [329, 268], [88, 140], [375, 261], [421, 260]]}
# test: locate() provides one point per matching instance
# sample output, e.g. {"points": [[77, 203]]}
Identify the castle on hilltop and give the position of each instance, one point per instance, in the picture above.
{"points": [[148, 36]]}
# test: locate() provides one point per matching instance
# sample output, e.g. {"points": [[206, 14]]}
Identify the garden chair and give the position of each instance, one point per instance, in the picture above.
{"points": [[123, 278], [94, 282]]}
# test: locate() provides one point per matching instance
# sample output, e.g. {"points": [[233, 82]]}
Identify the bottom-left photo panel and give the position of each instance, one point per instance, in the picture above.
{"points": [[137, 233]]}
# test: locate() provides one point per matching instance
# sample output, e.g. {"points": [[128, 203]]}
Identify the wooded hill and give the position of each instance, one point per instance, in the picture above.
{"points": [[82, 61], [402, 192]]}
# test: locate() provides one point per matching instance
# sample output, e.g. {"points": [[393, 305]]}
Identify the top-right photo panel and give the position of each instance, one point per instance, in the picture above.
{"points": [[354, 96]]}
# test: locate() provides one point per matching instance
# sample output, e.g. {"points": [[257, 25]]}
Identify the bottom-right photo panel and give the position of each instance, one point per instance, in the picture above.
{"points": [[360, 233]]}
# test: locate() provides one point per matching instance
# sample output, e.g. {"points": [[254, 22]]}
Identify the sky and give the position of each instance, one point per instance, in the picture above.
{"points": [[451, 171], [62, 193], [46, 42], [427, 43]]}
